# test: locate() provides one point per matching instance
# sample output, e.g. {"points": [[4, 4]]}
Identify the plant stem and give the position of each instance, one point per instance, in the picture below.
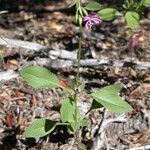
{"points": [[76, 118], [75, 96], [78, 8], [79, 55], [2, 57]]}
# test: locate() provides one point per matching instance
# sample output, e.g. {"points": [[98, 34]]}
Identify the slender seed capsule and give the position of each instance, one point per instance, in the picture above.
{"points": [[80, 11], [80, 20], [85, 11], [77, 16]]}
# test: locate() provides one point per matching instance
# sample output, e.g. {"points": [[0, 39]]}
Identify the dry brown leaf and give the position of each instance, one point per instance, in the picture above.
{"points": [[56, 26], [8, 121], [121, 72], [142, 89], [34, 100]]}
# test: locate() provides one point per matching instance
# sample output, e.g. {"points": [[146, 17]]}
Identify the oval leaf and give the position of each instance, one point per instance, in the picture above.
{"points": [[39, 128], [67, 110], [39, 77], [84, 122], [146, 3], [108, 14], [95, 105], [108, 97], [72, 4], [132, 19], [93, 6]]}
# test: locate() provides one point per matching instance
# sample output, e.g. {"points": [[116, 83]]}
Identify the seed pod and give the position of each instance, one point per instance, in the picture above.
{"points": [[80, 11], [80, 20], [84, 11], [77, 16]]}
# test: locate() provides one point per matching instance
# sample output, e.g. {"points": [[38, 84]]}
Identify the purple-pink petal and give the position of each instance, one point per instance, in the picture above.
{"points": [[96, 20], [92, 14], [91, 19], [87, 25], [86, 18]]}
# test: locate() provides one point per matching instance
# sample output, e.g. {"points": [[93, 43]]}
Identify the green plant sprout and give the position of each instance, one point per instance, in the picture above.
{"points": [[39, 77]]}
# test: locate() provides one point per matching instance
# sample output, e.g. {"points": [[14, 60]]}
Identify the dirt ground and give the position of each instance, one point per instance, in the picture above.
{"points": [[52, 24]]}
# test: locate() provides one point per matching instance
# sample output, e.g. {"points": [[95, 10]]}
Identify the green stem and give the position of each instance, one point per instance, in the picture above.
{"points": [[2, 57], [77, 80], [78, 8], [76, 118], [79, 55]]}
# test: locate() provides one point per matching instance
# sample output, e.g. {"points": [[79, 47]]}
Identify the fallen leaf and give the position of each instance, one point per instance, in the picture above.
{"points": [[63, 84], [18, 94], [8, 121], [142, 89], [55, 25], [13, 62], [121, 72], [34, 100]]}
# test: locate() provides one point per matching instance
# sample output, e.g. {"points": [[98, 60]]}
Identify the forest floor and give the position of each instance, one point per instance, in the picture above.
{"points": [[52, 25]]}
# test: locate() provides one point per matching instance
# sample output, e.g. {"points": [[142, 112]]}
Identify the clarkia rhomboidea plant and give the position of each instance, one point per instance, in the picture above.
{"points": [[39, 77]]}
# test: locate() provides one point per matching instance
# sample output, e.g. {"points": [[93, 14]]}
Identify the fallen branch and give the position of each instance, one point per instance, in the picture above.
{"points": [[3, 12], [19, 44], [101, 139], [8, 75], [146, 147], [64, 54], [59, 63], [30, 47]]}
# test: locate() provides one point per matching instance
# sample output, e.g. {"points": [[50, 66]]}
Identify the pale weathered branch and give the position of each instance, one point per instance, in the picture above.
{"points": [[146, 147], [19, 44], [60, 63], [61, 56], [100, 141], [8, 75]]}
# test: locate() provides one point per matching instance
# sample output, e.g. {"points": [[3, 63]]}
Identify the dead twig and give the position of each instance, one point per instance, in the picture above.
{"points": [[64, 58], [60, 63], [101, 140], [28, 46], [146, 147], [8, 75]]}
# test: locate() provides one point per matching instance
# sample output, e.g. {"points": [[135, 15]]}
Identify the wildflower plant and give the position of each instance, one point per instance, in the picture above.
{"points": [[39, 77]]}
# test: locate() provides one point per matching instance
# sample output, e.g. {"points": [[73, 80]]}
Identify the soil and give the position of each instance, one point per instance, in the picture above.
{"points": [[52, 24]]}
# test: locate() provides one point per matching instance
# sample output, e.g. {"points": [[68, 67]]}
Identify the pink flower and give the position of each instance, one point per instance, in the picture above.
{"points": [[91, 19]]}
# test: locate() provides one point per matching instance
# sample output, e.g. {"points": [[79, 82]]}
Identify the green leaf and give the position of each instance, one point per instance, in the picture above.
{"points": [[67, 110], [82, 86], [132, 19], [108, 97], [80, 145], [95, 105], [72, 3], [146, 3], [39, 77], [84, 122], [74, 84], [68, 91], [108, 14], [39, 128], [126, 5], [93, 6]]}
